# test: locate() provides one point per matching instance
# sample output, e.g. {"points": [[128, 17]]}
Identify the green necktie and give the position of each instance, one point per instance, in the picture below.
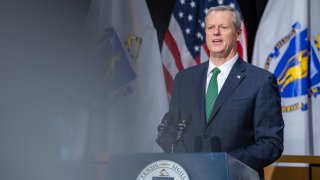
{"points": [[212, 92]]}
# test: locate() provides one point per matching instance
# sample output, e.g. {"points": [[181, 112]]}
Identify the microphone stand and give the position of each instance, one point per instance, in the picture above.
{"points": [[182, 128]]}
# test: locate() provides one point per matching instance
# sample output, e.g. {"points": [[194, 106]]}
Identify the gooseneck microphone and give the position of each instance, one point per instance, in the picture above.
{"points": [[182, 128], [163, 126]]}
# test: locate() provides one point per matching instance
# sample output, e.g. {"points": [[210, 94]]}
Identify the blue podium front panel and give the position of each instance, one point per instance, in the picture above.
{"points": [[176, 166]]}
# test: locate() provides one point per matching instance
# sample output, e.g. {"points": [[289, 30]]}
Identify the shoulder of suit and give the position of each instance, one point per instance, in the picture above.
{"points": [[252, 69]]}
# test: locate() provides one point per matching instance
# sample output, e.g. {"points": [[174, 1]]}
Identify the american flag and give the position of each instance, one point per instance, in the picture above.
{"points": [[184, 42]]}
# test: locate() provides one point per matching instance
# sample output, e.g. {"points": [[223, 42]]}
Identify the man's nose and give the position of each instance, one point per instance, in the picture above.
{"points": [[216, 31]]}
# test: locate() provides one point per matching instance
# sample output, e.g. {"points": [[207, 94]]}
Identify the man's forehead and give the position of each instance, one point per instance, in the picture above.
{"points": [[227, 17], [224, 13]]}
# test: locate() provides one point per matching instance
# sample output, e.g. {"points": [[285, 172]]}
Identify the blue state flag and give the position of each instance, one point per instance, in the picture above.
{"points": [[116, 70], [282, 46], [131, 98]]}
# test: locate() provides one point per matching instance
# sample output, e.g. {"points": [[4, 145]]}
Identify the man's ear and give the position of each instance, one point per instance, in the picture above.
{"points": [[239, 34]]}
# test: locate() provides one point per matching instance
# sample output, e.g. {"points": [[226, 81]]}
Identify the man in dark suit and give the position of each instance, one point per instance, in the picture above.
{"points": [[244, 119]]}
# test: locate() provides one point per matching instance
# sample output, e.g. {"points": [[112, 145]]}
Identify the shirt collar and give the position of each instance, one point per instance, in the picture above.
{"points": [[224, 68]]}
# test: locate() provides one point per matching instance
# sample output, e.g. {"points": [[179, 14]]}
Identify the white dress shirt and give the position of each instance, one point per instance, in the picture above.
{"points": [[224, 72]]}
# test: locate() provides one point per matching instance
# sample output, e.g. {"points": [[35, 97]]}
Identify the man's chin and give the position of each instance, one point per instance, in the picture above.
{"points": [[218, 54]]}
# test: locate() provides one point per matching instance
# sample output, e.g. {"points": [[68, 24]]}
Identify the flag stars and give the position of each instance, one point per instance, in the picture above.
{"points": [[201, 23], [188, 31], [180, 14], [220, 2], [206, 11], [199, 35], [193, 4], [196, 48], [182, 2], [232, 5], [190, 17]]}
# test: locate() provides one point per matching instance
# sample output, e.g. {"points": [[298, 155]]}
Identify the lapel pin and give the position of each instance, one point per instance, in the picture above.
{"points": [[238, 76]]}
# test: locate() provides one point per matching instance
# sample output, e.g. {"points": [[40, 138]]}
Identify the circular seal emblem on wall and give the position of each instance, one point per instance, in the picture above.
{"points": [[163, 170]]}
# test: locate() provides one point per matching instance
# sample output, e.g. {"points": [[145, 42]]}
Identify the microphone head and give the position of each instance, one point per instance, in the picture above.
{"points": [[166, 120], [184, 123], [186, 119], [167, 131]]}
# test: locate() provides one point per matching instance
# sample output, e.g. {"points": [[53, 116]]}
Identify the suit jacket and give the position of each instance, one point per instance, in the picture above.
{"points": [[246, 120]]}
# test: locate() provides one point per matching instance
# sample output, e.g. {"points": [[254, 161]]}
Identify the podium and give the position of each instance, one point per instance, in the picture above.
{"points": [[176, 166]]}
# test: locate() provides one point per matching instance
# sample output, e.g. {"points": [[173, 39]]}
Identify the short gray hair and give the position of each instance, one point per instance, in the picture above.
{"points": [[235, 14]]}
